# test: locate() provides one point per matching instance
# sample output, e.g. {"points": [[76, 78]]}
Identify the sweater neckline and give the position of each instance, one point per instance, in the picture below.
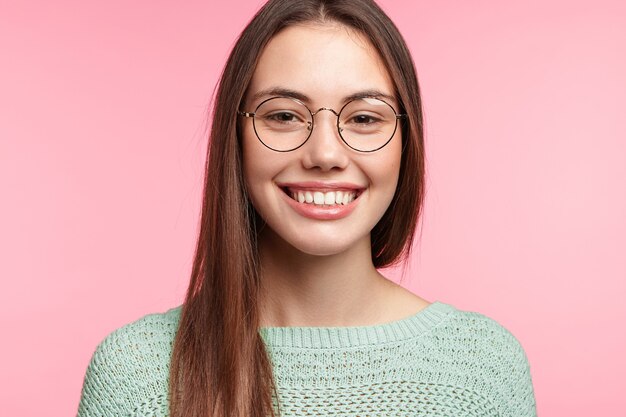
{"points": [[354, 336]]}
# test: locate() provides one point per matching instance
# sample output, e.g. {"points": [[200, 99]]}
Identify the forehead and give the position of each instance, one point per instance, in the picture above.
{"points": [[326, 63]]}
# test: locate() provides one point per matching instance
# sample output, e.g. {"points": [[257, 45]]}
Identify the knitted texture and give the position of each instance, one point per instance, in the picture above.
{"points": [[439, 362]]}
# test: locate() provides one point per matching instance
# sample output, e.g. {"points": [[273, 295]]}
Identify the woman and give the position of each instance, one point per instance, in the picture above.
{"points": [[315, 179]]}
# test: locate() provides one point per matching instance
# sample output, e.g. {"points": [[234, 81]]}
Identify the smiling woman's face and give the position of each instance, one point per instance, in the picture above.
{"points": [[324, 65]]}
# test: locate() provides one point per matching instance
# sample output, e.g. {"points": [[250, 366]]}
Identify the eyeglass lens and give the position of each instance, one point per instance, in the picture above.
{"points": [[365, 124]]}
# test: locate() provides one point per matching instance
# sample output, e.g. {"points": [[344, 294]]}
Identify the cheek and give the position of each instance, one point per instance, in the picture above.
{"points": [[387, 172], [251, 168], [252, 153], [260, 168], [388, 164]]}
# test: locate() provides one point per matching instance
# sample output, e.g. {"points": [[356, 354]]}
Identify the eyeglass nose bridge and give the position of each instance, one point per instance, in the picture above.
{"points": [[310, 125], [325, 108]]}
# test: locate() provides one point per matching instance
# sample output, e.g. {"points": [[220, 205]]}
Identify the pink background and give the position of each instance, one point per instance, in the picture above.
{"points": [[102, 119]]}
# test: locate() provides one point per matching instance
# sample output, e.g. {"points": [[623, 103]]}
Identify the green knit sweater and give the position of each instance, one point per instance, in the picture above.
{"points": [[439, 362]]}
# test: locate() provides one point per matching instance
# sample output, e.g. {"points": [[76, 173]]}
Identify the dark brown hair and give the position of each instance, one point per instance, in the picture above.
{"points": [[219, 365]]}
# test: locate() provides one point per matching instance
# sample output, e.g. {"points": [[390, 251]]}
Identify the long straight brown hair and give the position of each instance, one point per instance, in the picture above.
{"points": [[219, 364]]}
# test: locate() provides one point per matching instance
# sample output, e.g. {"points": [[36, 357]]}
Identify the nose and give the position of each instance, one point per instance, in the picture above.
{"points": [[324, 150]]}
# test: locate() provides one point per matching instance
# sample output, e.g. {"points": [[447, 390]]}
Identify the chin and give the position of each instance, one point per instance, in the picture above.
{"points": [[321, 251], [316, 241], [322, 247]]}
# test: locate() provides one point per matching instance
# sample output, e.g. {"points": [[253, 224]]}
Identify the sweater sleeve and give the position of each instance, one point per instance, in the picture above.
{"points": [[128, 373], [517, 398], [104, 391]]}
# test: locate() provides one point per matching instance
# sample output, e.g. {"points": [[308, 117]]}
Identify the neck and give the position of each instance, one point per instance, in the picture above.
{"points": [[299, 289]]}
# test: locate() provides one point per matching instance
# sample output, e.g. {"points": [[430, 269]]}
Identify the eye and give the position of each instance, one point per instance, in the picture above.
{"points": [[284, 117], [364, 119]]}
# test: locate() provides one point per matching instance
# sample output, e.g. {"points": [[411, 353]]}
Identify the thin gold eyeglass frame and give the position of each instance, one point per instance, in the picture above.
{"points": [[398, 116]]}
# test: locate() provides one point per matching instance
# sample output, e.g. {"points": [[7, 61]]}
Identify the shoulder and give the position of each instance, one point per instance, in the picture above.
{"points": [[129, 369], [479, 339], [484, 356], [469, 337], [148, 330], [140, 341], [478, 329]]}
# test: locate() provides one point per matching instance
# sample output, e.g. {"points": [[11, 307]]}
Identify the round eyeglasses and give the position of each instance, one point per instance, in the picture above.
{"points": [[284, 124]]}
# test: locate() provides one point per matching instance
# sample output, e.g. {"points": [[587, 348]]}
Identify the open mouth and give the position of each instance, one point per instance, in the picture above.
{"points": [[323, 198]]}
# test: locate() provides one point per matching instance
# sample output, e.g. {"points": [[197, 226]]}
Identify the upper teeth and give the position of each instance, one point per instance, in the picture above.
{"points": [[320, 198]]}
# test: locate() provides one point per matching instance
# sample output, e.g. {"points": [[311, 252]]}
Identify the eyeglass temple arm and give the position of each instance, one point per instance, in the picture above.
{"points": [[246, 114]]}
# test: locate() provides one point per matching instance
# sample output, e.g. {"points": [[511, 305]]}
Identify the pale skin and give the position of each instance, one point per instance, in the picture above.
{"points": [[320, 272]]}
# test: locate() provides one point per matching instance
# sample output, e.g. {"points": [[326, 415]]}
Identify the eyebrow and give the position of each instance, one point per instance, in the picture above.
{"points": [[285, 92]]}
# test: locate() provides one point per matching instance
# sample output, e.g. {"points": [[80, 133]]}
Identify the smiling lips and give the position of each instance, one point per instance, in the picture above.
{"points": [[322, 201]]}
